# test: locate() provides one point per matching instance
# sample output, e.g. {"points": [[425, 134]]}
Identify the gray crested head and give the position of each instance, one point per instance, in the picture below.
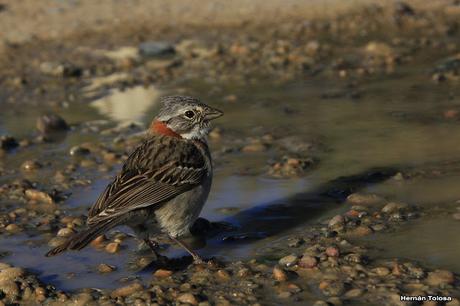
{"points": [[187, 116]]}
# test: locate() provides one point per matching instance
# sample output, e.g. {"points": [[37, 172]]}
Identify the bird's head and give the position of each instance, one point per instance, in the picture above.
{"points": [[184, 117]]}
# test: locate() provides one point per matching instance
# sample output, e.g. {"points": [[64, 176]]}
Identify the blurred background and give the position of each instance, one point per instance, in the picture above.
{"points": [[337, 164]]}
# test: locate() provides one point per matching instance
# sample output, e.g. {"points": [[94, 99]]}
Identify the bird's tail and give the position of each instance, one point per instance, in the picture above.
{"points": [[79, 240]]}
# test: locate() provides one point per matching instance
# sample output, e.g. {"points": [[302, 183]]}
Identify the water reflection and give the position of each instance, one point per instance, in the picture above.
{"points": [[128, 105]]}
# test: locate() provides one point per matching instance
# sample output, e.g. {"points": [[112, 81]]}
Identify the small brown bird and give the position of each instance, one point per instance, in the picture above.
{"points": [[164, 183]]}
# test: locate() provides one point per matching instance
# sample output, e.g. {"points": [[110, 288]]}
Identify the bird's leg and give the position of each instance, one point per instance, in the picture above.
{"points": [[153, 245], [196, 258]]}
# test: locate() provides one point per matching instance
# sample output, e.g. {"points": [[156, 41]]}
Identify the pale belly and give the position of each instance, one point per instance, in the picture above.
{"points": [[174, 217]]}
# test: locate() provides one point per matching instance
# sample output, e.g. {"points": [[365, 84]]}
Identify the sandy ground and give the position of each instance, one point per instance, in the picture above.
{"points": [[20, 21]]}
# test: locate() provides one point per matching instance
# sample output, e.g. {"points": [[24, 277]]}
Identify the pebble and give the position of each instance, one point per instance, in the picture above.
{"points": [[82, 299], [31, 165], [79, 151], [393, 207], [289, 260], [8, 143], [223, 275], [308, 261], [243, 272], [381, 271], [254, 147], [332, 252], [155, 48], [9, 289], [187, 298], [127, 290], [284, 294], [336, 221], [13, 228], [440, 278], [10, 274], [360, 231], [39, 196], [364, 199], [65, 232], [456, 216], [162, 273], [279, 274], [354, 293], [112, 247], [51, 123], [105, 268], [321, 303], [98, 242], [332, 288]]}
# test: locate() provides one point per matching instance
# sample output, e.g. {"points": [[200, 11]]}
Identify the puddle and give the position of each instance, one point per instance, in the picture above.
{"points": [[432, 241], [394, 125]]}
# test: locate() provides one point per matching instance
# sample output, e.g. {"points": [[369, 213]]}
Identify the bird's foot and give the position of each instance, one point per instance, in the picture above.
{"points": [[197, 260]]}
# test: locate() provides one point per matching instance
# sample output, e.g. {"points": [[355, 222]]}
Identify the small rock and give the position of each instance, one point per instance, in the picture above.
{"points": [[456, 216], [284, 294], [105, 268], [39, 196], [112, 247], [243, 272], [254, 147], [321, 303], [8, 143], [279, 274], [393, 207], [440, 278], [31, 165], [308, 262], [98, 242], [332, 252], [127, 290], [403, 9], [381, 271], [364, 199], [336, 221], [379, 49], [51, 123], [360, 231], [187, 298], [65, 232], [56, 69], [332, 288], [79, 151], [156, 48], [354, 293], [289, 260], [162, 273], [9, 289], [223, 275], [10, 274], [12, 228]]}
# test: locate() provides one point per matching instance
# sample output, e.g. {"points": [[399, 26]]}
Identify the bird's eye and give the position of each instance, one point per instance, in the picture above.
{"points": [[189, 114]]}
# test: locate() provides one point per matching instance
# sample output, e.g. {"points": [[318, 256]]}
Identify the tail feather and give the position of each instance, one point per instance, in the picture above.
{"points": [[79, 240]]}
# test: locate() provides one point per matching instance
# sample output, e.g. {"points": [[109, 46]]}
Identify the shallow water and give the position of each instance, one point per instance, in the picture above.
{"points": [[396, 125]]}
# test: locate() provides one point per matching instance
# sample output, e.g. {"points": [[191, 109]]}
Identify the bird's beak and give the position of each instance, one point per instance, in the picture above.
{"points": [[213, 113]]}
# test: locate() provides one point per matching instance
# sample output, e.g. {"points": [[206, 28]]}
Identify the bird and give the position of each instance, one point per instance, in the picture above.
{"points": [[164, 183]]}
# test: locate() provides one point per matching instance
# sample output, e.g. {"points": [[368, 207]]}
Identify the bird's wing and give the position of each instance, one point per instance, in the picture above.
{"points": [[155, 182]]}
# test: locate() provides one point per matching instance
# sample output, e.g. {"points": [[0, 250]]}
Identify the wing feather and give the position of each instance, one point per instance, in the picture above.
{"points": [[137, 187]]}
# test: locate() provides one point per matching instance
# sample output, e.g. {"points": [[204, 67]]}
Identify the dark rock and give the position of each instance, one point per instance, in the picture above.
{"points": [[79, 151], [156, 48], [403, 9], [8, 143], [51, 123]]}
